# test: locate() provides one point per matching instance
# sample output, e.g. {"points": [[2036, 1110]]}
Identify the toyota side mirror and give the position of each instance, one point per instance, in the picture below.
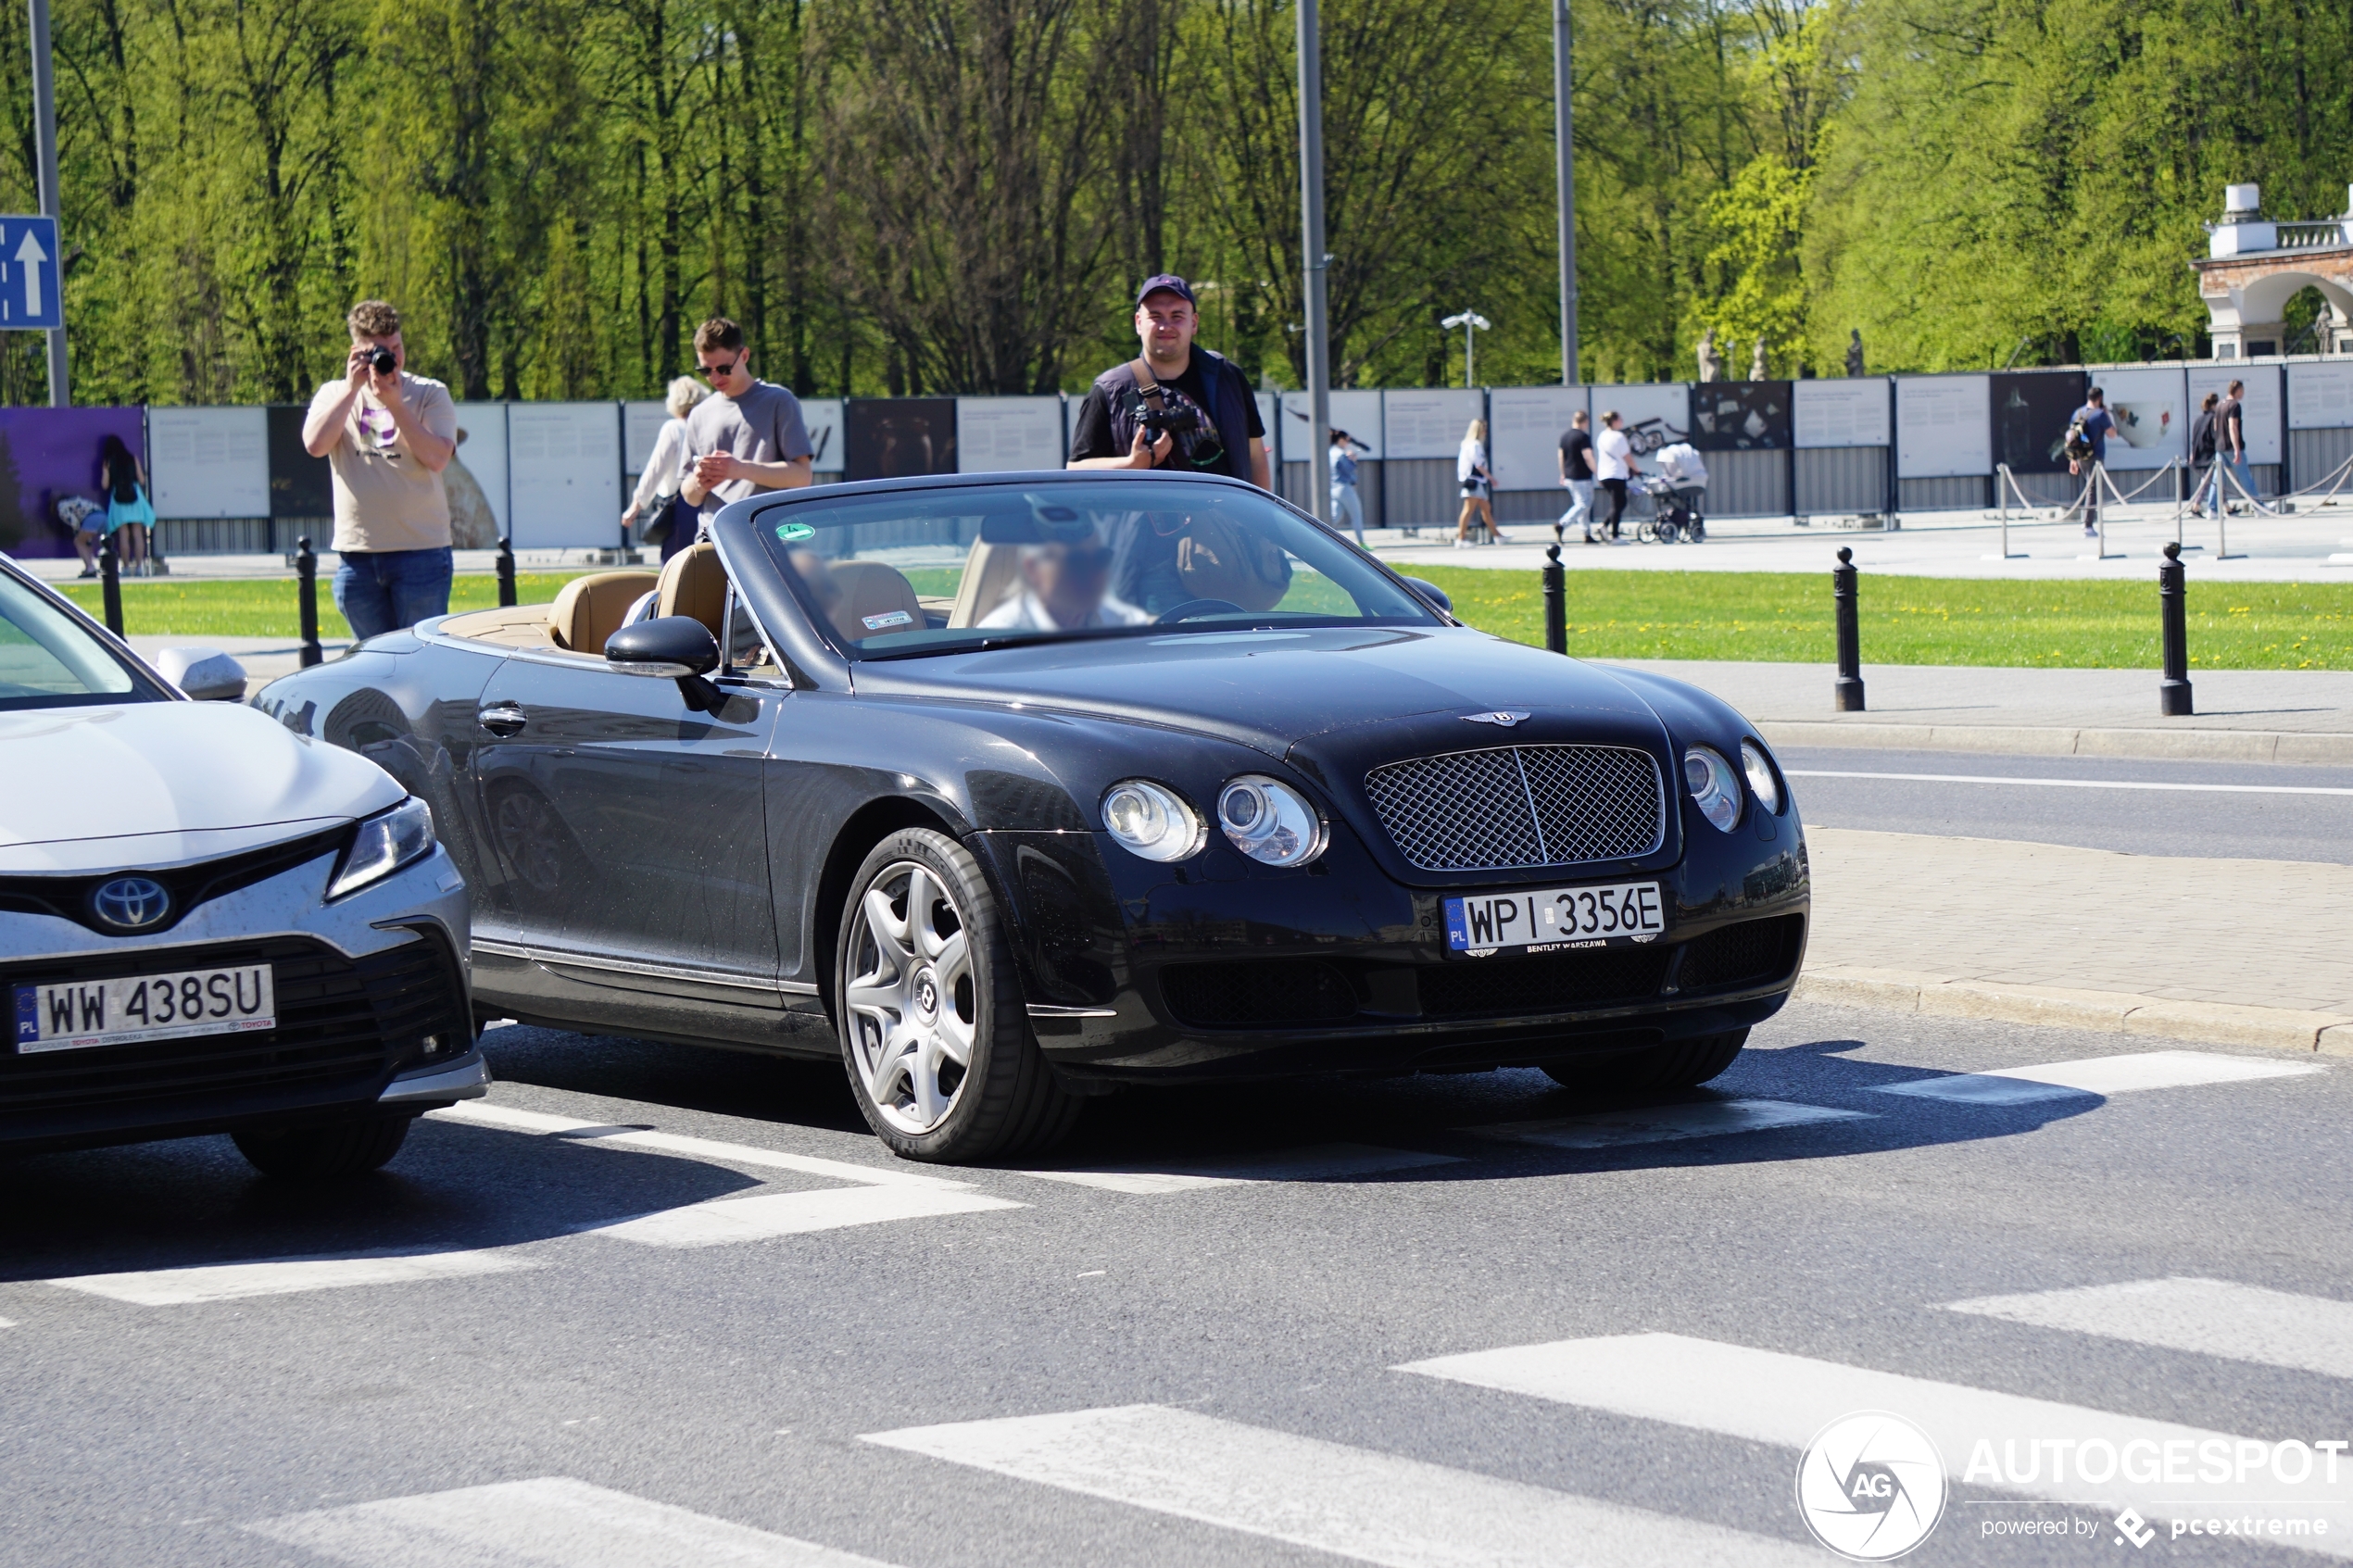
{"points": [[1431, 592], [674, 647], [207, 674]]}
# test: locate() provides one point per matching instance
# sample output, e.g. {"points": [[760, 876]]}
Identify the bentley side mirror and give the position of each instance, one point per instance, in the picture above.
{"points": [[205, 674], [676, 647], [1431, 592]]}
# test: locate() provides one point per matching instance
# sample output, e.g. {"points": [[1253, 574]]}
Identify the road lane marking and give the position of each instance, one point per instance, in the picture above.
{"points": [[551, 1523], [482, 1113], [2066, 784], [1767, 1397], [2209, 1317], [1318, 1162], [725, 1220], [2098, 1075], [287, 1276], [1664, 1123], [1327, 1496]]}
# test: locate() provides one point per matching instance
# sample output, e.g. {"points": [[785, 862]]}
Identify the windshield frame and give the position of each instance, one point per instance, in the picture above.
{"points": [[757, 514], [145, 686]]}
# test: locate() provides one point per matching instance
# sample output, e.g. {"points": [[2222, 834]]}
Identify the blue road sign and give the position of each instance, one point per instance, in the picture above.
{"points": [[30, 299]]}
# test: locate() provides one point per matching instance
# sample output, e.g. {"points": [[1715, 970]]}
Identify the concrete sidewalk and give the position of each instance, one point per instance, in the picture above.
{"points": [[2248, 953], [2245, 715]]}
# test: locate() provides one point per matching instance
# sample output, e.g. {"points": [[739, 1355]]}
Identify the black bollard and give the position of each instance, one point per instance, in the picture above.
{"points": [[1555, 602], [306, 600], [506, 572], [1847, 690], [110, 581], [2172, 611]]}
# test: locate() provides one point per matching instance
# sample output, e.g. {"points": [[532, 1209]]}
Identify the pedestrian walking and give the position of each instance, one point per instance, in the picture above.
{"points": [[128, 513], [2230, 421], [745, 437], [1347, 506], [2087, 433], [1576, 474], [1613, 456], [387, 435], [2206, 475], [1176, 404], [1478, 483], [667, 520]]}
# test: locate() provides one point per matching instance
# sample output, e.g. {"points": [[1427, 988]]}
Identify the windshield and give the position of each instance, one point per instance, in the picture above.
{"points": [[938, 571], [48, 659]]}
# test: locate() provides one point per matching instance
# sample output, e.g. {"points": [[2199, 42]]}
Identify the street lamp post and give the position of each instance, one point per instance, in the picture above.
{"points": [[1472, 323], [1567, 195], [1311, 219], [44, 133]]}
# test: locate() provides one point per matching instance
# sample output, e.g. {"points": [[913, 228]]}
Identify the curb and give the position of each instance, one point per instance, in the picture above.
{"points": [[2126, 1012], [2055, 740]]}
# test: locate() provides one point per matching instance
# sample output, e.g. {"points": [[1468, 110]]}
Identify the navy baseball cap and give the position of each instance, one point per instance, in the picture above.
{"points": [[1166, 282]]}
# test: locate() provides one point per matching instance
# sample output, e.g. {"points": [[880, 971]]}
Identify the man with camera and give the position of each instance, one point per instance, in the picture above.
{"points": [[386, 436], [1175, 406]]}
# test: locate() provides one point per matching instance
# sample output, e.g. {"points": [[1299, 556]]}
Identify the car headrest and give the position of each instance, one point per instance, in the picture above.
{"points": [[588, 609], [874, 599], [693, 583]]}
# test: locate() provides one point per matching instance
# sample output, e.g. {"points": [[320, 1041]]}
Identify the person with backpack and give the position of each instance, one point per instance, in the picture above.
{"points": [[2204, 473], [2087, 434]]}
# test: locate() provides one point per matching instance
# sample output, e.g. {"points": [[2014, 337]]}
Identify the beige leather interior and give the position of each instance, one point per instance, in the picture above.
{"points": [[992, 574], [590, 609], [871, 589], [693, 583], [511, 626]]}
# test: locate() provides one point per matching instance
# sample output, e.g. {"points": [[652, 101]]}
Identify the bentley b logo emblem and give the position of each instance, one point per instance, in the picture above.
{"points": [[1503, 716], [131, 903]]}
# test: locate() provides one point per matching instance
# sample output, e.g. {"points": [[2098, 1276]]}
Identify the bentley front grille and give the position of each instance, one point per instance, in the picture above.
{"points": [[1517, 806]]}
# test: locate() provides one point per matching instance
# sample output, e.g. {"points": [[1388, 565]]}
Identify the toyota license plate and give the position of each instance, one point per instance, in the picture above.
{"points": [[75, 1014], [1556, 918]]}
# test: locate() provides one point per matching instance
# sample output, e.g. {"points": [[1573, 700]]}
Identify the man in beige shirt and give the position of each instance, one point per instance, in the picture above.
{"points": [[387, 436]]}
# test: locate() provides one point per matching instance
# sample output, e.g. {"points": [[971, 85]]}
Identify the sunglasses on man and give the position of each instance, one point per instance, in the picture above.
{"points": [[715, 371]]}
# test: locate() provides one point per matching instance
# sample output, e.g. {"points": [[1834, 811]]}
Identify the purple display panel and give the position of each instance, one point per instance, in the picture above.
{"points": [[49, 453]]}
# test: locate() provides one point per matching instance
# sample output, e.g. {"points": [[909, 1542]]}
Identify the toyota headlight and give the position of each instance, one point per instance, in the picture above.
{"points": [[1714, 787], [1270, 822], [1762, 781], [385, 842], [1151, 820]]}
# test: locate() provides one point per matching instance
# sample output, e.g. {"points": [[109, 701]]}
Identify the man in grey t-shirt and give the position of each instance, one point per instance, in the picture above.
{"points": [[747, 438]]}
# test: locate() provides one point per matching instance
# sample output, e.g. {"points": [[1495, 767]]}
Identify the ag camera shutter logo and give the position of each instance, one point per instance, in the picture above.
{"points": [[1870, 1486]]}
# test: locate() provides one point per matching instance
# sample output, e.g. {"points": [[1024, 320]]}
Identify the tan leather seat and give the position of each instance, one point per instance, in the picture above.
{"points": [[872, 592], [992, 575], [590, 608], [693, 583]]}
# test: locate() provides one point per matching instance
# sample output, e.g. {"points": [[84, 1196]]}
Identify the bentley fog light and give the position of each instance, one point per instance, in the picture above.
{"points": [[385, 842], [1714, 788], [1151, 820], [1270, 822], [1760, 777]]}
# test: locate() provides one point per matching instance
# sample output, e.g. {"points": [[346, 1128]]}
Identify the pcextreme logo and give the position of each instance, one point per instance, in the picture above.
{"points": [[1870, 1486]]}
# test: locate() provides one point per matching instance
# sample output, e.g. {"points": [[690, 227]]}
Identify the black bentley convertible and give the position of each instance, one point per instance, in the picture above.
{"points": [[1009, 790]]}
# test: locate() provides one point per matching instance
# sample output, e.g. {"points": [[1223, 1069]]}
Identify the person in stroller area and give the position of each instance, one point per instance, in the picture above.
{"points": [[1686, 475]]}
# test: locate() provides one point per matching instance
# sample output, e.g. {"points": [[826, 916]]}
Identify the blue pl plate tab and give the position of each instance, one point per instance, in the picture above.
{"points": [[30, 298]]}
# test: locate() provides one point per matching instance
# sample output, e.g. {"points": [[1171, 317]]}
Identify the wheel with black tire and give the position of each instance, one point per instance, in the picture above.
{"points": [[330, 1152], [935, 1032], [1684, 1064]]}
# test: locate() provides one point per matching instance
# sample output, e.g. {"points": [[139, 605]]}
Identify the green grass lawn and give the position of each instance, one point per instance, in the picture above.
{"points": [[201, 608], [1780, 616]]}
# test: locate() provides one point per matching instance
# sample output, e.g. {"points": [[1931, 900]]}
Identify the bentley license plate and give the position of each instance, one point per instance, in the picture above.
{"points": [[74, 1014], [1555, 918]]}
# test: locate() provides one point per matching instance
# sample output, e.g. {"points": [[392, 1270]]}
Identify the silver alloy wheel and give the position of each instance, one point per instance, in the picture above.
{"points": [[914, 1003]]}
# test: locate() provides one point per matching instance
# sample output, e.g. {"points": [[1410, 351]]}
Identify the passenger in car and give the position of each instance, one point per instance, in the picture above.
{"points": [[1065, 585]]}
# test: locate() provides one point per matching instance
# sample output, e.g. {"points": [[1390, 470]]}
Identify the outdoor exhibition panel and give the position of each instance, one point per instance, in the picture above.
{"points": [[1356, 412], [1524, 428], [1740, 416], [1008, 435], [301, 486], [1942, 428], [821, 417], [1353, 409], [564, 474], [1654, 414], [209, 462], [1844, 480], [2260, 411], [477, 478], [1842, 430], [1848, 412], [897, 437], [2319, 420], [54, 452], [2152, 412], [1428, 424], [640, 424]]}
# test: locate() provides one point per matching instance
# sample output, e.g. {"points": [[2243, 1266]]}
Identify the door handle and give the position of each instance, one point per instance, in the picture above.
{"points": [[504, 719]]}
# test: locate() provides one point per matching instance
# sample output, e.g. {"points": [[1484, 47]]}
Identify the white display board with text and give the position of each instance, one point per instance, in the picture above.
{"points": [[1007, 435], [1425, 423], [2258, 409], [1944, 426], [1652, 414], [1355, 410], [640, 424], [2319, 397], [564, 474], [481, 455], [2151, 409], [822, 416], [209, 462], [1852, 412], [1524, 428]]}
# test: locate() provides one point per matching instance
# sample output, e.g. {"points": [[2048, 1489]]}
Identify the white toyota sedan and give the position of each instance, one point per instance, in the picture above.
{"points": [[208, 923]]}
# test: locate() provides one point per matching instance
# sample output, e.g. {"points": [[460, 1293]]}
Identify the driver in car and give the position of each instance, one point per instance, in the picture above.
{"points": [[1065, 587]]}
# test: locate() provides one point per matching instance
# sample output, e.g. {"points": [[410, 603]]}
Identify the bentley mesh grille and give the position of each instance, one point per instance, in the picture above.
{"points": [[1521, 805]]}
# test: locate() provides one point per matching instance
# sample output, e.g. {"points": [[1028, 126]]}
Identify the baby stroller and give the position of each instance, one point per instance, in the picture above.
{"points": [[1676, 511]]}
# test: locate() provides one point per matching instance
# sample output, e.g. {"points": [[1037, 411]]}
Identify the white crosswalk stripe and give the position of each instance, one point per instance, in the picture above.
{"points": [[725, 1220], [1320, 1162], [2009, 1442], [2211, 1317], [1351, 1502], [2099, 1075], [550, 1522], [1666, 1124], [287, 1276], [482, 1113]]}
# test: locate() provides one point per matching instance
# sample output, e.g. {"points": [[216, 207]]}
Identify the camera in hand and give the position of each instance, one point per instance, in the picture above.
{"points": [[1197, 443], [382, 361]]}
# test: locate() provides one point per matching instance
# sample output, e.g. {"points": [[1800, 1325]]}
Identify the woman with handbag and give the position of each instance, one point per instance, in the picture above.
{"points": [[1478, 482], [668, 520]]}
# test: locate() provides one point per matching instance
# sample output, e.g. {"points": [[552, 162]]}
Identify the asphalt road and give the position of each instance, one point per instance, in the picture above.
{"points": [[1190, 1343], [2235, 810]]}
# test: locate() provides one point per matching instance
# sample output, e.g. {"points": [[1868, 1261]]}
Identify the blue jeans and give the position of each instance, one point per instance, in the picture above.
{"points": [[1347, 509], [382, 591]]}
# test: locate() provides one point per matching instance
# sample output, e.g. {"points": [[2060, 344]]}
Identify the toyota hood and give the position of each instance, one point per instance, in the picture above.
{"points": [[157, 784]]}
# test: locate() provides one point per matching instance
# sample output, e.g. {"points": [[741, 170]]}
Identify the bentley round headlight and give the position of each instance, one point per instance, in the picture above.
{"points": [[1761, 780], [1270, 822], [1714, 788], [1151, 820]]}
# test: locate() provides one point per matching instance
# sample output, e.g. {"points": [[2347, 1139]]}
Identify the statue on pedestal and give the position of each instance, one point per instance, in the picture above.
{"points": [[1855, 351], [1757, 369], [1711, 364]]}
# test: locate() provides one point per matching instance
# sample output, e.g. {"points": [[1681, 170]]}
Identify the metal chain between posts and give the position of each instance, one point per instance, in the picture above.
{"points": [[1846, 692], [1556, 601], [306, 600]]}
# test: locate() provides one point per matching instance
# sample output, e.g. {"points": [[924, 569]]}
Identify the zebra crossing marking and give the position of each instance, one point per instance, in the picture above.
{"points": [[1317, 1162], [723, 1220], [2210, 1317], [287, 1276], [1666, 1124], [2098, 1075]]}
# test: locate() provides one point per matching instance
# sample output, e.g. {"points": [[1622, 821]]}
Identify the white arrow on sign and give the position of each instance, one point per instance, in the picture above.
{"points": [[29, 251]]}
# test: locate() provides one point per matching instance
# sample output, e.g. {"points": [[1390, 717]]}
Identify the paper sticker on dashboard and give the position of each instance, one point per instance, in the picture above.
{"points": [[895, 618]]}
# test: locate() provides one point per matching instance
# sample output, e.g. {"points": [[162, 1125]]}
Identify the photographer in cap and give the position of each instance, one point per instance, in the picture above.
{"points": [[386, 436], [1175, 407]]}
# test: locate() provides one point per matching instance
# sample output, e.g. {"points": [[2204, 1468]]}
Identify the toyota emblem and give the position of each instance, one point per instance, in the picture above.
{"points": [[132, 903]]}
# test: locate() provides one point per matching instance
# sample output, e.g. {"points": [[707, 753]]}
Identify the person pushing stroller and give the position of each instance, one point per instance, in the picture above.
{"points": [[1686, 475]]}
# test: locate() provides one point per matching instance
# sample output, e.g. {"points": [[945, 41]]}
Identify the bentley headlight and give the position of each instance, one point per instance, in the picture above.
{"points": [[385, 842], [1714, 788], [1270, 822], [1151, 820], [1761, 780]]}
